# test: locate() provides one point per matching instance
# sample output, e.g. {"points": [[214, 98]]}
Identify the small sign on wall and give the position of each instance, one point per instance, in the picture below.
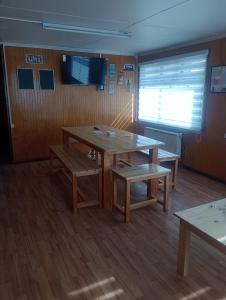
{"points": [[129, 67], [33, 59]]}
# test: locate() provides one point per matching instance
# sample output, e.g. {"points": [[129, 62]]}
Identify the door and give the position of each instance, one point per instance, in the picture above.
{"points": [[5, 148]]}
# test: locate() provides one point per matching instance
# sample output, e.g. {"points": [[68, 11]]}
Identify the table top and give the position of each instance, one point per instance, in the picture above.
{"points": [[111, 140], [209, 218]]}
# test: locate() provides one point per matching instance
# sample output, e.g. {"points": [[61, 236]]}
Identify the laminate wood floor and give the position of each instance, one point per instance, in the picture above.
{"points": [[48, 253]]}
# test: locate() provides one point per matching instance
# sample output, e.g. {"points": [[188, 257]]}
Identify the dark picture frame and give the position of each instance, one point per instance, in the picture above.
{"points": [[25, 79], [46, 79]]}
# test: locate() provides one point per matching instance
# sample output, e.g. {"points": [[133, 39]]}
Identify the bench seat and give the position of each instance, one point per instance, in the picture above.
{"points": [[75, 161], [163, 155]]}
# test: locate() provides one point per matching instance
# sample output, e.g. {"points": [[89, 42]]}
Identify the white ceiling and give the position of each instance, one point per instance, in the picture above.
{"points": [[153, 24]]}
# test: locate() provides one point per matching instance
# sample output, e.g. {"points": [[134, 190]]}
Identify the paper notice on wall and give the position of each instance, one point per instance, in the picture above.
{"points": [[128, 85], [120, 80], [111, 88]]}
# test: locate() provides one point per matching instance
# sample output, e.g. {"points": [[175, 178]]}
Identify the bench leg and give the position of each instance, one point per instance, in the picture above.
{"points": [[174, 175], [74, 193], [127, 202], [100, 188], [166, 193]]}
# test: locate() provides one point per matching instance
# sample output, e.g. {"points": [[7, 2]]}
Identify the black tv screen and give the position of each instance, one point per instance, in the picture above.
{"points": [[75, 70], [84, 70]]}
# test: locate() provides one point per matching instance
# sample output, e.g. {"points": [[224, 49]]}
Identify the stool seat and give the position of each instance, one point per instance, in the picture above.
{"points": [[141, 172]]}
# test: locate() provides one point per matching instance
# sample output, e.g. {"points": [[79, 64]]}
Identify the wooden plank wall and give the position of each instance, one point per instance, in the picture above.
{"points": [[205, 152], [39, 115]]}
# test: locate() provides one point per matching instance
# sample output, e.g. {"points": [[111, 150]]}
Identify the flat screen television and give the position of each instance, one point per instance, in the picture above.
{"points": [[84, 70], [75, 70]]}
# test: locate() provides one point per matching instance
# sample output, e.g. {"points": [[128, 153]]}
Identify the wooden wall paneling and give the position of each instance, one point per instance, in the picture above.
{"points": [[38, 115], [204, 152]]}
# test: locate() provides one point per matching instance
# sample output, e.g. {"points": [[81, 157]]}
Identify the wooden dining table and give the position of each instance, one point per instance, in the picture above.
{"points": [[109, 142]]}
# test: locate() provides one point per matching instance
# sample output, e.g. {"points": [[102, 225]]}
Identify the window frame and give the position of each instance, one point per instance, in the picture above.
{"points": [[205, 91]]}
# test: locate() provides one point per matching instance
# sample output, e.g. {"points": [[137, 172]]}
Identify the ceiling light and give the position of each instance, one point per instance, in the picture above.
{"points": [[86, 30]]}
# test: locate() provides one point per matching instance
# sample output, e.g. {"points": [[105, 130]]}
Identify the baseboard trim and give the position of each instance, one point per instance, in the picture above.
{"points": [[204, 174]]}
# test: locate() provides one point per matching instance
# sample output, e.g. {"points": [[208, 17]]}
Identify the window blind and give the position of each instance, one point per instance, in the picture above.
{"points": [[171, 90]]}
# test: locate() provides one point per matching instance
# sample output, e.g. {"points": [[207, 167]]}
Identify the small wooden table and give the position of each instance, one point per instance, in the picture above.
{"points": [[208, 221], [109, 141]]}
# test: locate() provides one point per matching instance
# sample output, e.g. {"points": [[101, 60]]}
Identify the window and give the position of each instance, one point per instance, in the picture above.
{"points": [[171, 91]]}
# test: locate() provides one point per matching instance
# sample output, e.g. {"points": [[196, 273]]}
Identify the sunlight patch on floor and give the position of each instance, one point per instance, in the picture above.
{"points": [[110, 295], [196, 294], [95, 285]]}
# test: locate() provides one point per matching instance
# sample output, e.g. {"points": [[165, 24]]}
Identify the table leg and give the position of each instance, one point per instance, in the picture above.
{"points": [[183, 251], [115, 192], [74, 194], [107, 186], [127, 202], [65, 138], [153, 184], [174, 177]]}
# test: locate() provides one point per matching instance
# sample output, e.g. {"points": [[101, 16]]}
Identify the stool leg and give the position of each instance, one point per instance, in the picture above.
{"points": [[174, 177], [74, 193], [166, 192], [127, 202], [100, 189], [114, 192]]}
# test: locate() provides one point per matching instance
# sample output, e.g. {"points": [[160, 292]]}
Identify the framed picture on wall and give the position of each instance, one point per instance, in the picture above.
{"points": [[46, 78], [218, 79], [25, 80]]}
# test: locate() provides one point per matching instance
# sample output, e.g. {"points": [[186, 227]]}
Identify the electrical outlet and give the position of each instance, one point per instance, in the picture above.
{"points": [[225, 135]]}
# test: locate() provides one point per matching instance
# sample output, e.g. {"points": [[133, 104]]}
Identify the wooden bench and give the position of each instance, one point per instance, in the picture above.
{"points": [[135, 174], [77, 164]]}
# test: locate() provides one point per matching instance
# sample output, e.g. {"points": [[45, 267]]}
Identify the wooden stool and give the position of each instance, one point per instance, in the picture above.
{"points": [[77, 164], [172, 158], [136, 174]]}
